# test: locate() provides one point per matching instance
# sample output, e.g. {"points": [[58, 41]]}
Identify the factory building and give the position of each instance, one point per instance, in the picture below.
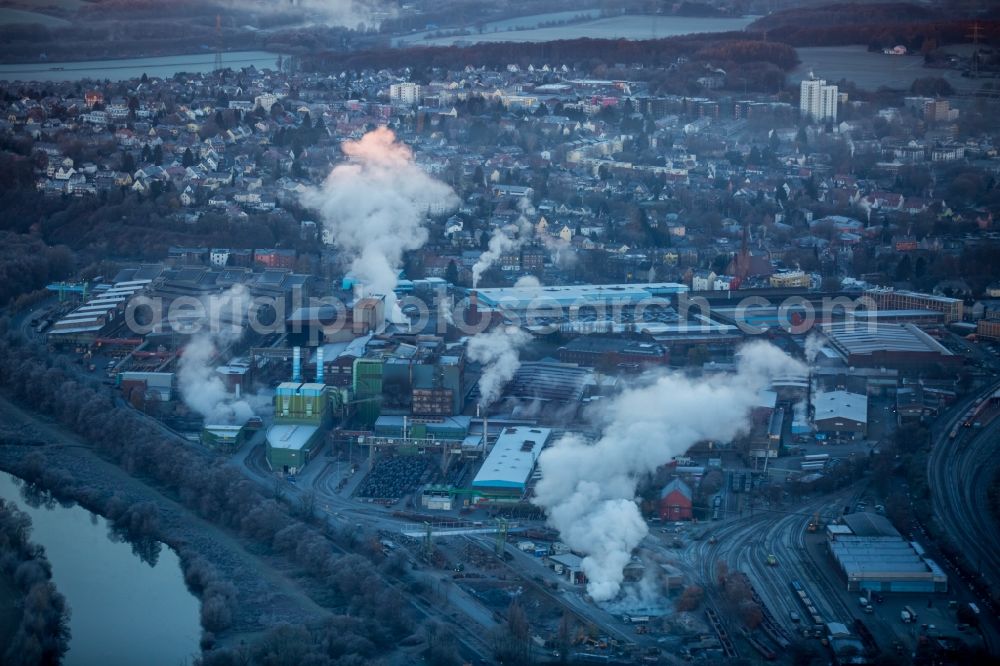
{"points": [[870, 381], [290, 446], [301, 403], [301, 414], [100, 315], [571, 300], [873, 556], [841, 415], [675, 501], [508, 467], [320, 324], [569, 565], [900, 346], [866, 318], [425, 378], [445, 428], [142, 387], [224, 438], [337, 360], [609, 353], [899, 299]]}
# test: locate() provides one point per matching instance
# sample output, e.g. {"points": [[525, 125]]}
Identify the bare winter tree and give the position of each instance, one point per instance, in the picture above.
{"points": [[512, 640]]}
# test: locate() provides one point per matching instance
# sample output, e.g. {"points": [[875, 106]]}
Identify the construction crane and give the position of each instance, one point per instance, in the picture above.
{"points": [[63, 288]]}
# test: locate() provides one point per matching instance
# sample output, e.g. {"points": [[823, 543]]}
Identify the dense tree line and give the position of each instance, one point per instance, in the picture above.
{"points": [[42, 635], [27, 264], [370, 610], [738, 51], [125, 224], [652, 52], [846, 14], [880, 25]]}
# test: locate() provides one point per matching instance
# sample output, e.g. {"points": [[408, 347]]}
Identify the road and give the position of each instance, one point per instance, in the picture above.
{"points": [[959, 473]]}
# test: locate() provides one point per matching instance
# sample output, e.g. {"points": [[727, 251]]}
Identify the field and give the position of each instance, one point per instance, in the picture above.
{"points": [[535, 20], [8, 15], [618, 27]]}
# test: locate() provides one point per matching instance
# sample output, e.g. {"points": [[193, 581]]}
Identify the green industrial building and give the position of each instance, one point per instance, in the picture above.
{"points": [[290, 446], [367, 389], [225, 438], [301, 403], [301, 415]]}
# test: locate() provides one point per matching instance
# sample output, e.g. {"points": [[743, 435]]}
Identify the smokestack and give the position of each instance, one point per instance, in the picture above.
{"points": [[296, 364], [319, 366], [472, 315], [810, 412]]}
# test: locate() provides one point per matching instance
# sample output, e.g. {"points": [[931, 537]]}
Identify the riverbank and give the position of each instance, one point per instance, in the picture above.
{"points": [[259, 561], [9, 613], [124, 68], [36, 618], [264, 596]]}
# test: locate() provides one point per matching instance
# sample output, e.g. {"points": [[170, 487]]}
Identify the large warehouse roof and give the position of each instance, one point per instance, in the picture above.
{"points": [[544, 380], [840, 405], [880, 555], [872, 549], [513, 458], [520, 298], [931, 298], [863, 340]]}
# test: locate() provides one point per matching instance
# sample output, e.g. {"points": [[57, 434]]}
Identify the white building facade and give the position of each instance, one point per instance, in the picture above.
{"points": [[818, 101], [404, 94]]}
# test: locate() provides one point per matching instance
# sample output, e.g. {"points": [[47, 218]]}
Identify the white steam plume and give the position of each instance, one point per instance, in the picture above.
{"points": [[813, 345], [499, 352], [375, 206], [561, 251], [446, 308], [588, 488], [508, 238], [527, 282], [200, 386], [800, 412]]}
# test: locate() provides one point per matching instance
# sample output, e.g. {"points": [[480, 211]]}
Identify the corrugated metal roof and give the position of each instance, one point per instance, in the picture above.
{"points": [[865, 339], [513, 457]]}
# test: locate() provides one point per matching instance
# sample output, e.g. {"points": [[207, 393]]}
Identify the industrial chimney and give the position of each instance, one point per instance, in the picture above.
{"points": [[319, 365], [296, 364]]}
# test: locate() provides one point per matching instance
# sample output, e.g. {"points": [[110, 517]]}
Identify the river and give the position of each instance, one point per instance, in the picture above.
{"points": [[129, 68], [124, 611]]}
